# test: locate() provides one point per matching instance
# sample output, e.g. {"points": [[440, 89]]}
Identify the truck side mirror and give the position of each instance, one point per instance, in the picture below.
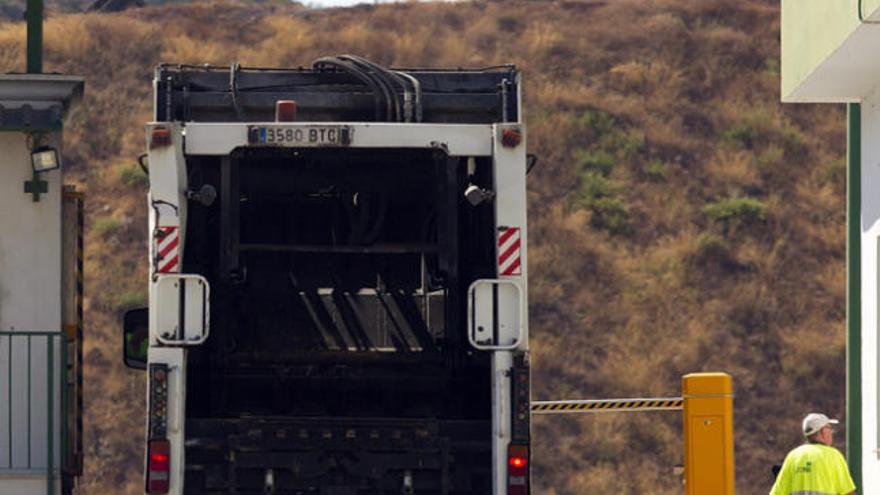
{"points": [[135, 338]]}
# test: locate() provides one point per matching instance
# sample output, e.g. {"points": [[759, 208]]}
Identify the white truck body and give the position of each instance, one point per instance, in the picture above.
{"points": [[181, 303]]}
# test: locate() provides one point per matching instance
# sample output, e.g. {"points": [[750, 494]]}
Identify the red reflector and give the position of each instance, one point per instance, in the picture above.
{"points": [[511, 138], [159, 466], [160, 136], [518, 470], [285, 111]]}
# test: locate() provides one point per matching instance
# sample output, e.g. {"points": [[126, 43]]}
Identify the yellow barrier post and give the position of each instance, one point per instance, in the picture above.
{"points": [[708, 433]]}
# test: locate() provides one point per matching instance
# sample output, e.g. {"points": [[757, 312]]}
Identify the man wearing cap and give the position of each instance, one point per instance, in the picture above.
{"points": [[815, 468]]}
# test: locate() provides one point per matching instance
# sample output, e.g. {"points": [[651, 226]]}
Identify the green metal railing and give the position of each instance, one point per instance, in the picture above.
{"points": [[11, 342]]}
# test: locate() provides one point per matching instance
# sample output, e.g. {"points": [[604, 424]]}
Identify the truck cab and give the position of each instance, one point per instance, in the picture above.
{"points": [[338, 282]]}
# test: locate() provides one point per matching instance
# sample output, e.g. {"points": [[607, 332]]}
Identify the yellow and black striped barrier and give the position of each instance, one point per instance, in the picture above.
{"points": [[707, 416], [607, 405]]}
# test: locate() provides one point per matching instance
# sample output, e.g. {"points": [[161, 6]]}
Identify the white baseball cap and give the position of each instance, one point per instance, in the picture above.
{"points": [[815, 422]]}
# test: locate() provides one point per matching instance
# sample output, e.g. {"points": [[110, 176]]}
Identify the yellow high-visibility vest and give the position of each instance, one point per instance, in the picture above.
{"points": [[813, 469]]}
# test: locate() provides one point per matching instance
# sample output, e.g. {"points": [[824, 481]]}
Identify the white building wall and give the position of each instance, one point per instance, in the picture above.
{"points": [[30, 243], [870, 223], [30, 300]]}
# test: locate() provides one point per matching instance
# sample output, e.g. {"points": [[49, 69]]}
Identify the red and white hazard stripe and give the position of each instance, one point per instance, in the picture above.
{"points": [[167, 249], [509, 252]]}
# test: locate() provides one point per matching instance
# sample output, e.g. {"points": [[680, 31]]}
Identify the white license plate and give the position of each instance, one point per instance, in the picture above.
{"points": [[299, 136]]}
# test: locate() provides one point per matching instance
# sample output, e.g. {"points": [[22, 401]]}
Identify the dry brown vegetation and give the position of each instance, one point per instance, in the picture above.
{"points": [[681, 218]]}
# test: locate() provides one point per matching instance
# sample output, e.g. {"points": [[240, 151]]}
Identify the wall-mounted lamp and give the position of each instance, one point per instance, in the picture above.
{"points": [[44, 158]]}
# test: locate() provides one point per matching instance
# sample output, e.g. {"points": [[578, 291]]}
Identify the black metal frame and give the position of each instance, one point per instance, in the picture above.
{"points": [[205, 94], [329, 456]]}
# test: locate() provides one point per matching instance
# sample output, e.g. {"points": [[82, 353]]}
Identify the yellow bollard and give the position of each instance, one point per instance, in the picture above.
{"points": [[708, 433]]}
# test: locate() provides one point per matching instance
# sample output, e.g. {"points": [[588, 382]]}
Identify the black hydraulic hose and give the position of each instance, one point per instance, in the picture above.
{"points": [[382, 84], [233, 90], [377, 73], [378, 92], [417, 89], [389, 76], [412, 109], [351, 69]]}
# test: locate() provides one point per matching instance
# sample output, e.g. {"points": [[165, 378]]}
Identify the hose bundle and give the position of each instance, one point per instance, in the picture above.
{"points": [[397, 95]]}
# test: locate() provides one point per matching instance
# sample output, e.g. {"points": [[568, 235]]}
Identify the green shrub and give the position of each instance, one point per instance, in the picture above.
{"points": [[736, 211], [596, 122], [132, 176], [598, 195], [105, 226], [594, 185], [598, 161], [741, 135], [610, 213], [758, 128], [609, 142], [606, 133], [624, 144], [656, 171], [131, 299]]}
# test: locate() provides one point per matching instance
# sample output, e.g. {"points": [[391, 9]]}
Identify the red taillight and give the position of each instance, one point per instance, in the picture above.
{"points": [[518, 470], [160, 136], [285, 111], [511, 138], [158, 466]]}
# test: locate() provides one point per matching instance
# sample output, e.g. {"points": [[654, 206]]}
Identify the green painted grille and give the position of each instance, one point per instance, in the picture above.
{"points": [[33, 347]]}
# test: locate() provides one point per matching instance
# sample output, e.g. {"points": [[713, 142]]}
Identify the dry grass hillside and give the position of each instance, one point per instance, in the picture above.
{"points": [[681, 218]]}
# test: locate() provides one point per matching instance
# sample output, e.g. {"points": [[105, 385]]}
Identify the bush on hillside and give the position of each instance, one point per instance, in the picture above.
{"points": [[610, 213], [131, 175], [734, 212], [656, 171], [600, 196], [131, 299], [599, 161], [758, 128], [605, 133], [609, 143], [106, 226]]}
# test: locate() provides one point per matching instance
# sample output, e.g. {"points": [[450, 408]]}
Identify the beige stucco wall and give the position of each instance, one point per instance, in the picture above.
{"points": [[30, 300], [24, 483]]}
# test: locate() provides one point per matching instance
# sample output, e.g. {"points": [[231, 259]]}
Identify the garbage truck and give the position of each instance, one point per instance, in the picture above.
{"points": [[337, 281]]}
